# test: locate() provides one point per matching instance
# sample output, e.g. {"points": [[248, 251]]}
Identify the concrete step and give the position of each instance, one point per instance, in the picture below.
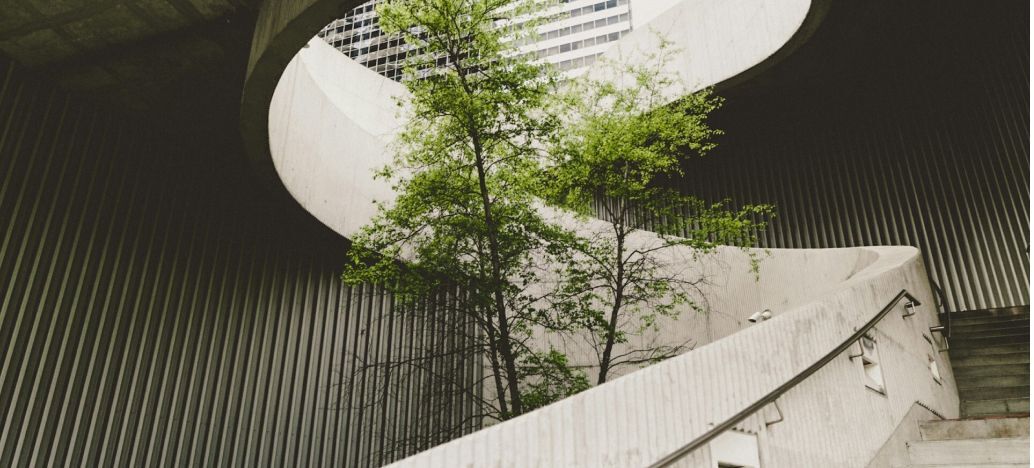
{"points": [[991, 355], [996, 407], [1009, 332], [960, 321], [998, 334], [993, 381], [969, 465], [958, 341], [1019, 324], [974, 452], [998, 314], [994, 393], [987, 428], [998, 329], [1005, 312], [969, 372]]}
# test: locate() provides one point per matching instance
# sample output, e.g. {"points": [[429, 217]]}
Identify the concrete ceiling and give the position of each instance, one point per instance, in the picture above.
{"points": [[131, 54], [36, 32]]}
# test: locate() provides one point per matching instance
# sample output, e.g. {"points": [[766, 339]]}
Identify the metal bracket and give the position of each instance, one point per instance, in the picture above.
{"points": [[861, 348], [779, 411], [910, 309], [861, 351]]}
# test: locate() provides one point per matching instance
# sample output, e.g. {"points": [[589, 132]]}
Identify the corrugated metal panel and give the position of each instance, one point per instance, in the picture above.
{"points": [[930, 151], [146, 320]]}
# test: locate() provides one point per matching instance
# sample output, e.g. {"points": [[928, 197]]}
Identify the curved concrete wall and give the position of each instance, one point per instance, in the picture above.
{"points": [[720, 40], [329, 128], [330, 121], [330, 124], [284, 27], [831, 419]]}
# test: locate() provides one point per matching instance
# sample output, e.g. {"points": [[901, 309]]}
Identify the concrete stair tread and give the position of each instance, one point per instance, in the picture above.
{"points": [[981, 465], [993, 348], [992, 381], [990, 350], [979, 324], [985, 335], [994, 393], [1020, 415], [957, 324], [999, 312], [1014, 359], [958, 341], [982, 428], [1020, 357], [978, 400], [970, 321], [992, 370], [1004, 333], [1017, 313], [973, 451], [1020, 323], [995, 407]]}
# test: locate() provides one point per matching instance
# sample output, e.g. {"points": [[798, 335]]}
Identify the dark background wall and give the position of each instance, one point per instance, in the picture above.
{"points": [[897, 123], [157, 310]]}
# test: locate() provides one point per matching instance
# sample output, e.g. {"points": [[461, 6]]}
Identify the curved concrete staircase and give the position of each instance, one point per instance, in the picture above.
{"points": [[991, 359], [323, 102]]}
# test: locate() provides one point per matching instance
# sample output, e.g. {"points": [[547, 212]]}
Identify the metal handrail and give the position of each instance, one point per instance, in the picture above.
{"points": [[775, 394]]}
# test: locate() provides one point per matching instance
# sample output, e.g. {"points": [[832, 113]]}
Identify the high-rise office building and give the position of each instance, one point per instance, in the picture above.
{"points": [[580, 32]]}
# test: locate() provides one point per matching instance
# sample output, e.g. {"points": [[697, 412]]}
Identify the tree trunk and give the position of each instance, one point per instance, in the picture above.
{"points": [[619, 290], [494, 360], [503, 343]]}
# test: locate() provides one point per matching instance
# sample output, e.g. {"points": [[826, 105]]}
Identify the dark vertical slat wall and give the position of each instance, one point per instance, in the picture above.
{"points": [[147, 318], [906, 147]]}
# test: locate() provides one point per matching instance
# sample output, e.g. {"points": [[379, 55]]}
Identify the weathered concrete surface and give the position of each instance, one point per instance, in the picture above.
{"points": [[831, 419], [990, 428], [330, 128], [894, 452], [330, 121], [327, 125], [284, 26], [723, 43], [975, 451]]}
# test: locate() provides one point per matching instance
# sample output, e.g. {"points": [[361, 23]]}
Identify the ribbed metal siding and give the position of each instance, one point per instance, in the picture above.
{"points": [[147, 320], [938, 160]]}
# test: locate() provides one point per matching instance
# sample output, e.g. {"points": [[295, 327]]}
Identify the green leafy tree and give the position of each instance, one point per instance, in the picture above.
{"points": [[465, 218], [631, 127]]}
